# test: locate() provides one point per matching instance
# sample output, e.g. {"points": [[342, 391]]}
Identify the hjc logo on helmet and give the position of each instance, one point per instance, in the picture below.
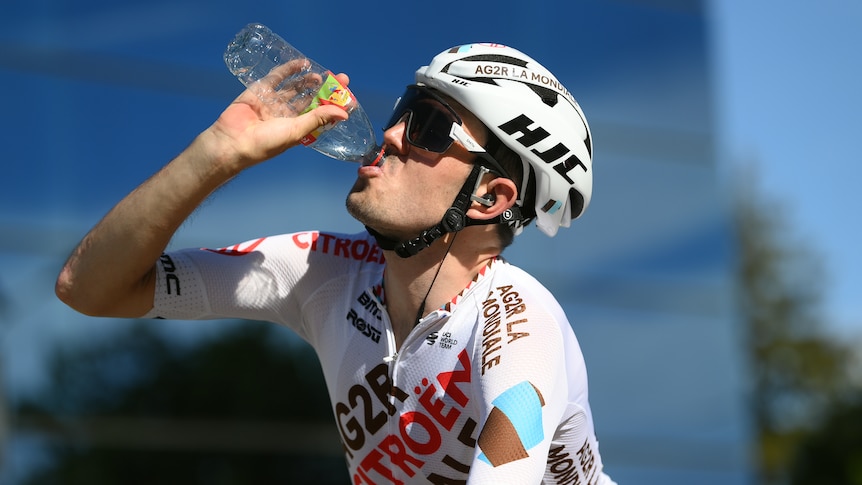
{"points": [[528, 138]]}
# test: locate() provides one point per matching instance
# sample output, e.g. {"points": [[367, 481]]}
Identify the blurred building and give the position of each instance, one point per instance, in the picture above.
{"points": [[100, 95]]}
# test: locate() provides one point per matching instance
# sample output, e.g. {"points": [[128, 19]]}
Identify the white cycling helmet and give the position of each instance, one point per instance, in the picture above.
{"points": [[531, 113]]}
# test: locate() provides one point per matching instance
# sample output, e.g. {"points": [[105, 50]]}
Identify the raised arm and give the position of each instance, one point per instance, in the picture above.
{"points": [[111, 272]]}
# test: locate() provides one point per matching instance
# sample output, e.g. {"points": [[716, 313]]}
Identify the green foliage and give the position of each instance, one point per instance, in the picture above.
{"points": [[798, 372], [146, 467], [833, 454], [245, 375]]}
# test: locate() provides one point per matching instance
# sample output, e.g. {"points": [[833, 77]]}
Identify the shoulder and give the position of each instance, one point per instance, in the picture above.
{"points": [[313, 257], [521, 292], [359, 247], [309, 246]]}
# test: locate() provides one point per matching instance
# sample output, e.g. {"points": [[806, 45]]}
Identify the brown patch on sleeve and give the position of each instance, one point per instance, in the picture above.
{"points": [[499, 440]]}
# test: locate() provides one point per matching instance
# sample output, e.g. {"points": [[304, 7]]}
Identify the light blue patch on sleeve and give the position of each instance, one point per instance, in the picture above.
{"points": [[521, 404]]}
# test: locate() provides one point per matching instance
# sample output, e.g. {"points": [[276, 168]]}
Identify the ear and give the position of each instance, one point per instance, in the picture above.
{"points": [[496, 196]]}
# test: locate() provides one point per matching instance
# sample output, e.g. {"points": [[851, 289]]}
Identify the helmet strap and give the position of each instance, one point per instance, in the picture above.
{"points": [[453, 220]]}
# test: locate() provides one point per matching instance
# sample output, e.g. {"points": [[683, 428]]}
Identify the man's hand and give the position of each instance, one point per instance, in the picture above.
{"points": [[248, 133]]}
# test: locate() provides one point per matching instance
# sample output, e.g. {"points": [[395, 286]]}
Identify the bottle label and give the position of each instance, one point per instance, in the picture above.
{"points": [[330, 92]]}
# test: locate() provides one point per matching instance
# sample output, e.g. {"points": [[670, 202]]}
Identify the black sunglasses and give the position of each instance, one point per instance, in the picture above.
{"points": [[432, 125], [429, 119]]}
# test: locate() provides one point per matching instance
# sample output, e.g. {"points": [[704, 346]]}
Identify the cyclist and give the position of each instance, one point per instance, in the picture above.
{"points": [[444, 362]]}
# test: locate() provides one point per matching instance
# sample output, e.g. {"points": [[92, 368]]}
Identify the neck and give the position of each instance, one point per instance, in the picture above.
{"points": [[431, 278]]}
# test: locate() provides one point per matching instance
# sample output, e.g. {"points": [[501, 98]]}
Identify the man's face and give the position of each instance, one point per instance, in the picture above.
{"points": [[413, 187]]}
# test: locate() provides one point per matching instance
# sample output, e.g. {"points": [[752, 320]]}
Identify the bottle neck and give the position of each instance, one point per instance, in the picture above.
{"points": [[374, 157]]}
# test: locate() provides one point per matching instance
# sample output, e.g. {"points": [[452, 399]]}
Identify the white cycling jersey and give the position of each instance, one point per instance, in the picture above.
{"points": [[489, 389]]}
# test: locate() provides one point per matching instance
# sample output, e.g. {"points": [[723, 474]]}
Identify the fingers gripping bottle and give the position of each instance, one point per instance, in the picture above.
{"points": [[289, 84]]}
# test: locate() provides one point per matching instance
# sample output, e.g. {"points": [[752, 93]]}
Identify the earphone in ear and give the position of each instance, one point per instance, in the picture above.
{"points": [[487, 200]]}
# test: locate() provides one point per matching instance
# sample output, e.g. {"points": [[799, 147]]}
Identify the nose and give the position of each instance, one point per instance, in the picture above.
{"points": [[395, 136]]}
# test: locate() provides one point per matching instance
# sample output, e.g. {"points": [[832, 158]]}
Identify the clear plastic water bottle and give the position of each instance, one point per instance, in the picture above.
{"points": [[289, 84]]}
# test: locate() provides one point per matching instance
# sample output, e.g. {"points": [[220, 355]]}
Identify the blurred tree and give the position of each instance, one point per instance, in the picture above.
{"points": [[797, 371], [4, 422], [241, 408], [833, 454]]}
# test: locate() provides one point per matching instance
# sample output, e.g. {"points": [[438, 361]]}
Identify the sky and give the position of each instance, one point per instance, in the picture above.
{"points": [[789, 100]]}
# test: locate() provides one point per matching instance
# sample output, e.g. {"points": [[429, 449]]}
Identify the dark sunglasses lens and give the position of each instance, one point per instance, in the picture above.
{"points": [[428, 122], [429, 127], [402, 106]]}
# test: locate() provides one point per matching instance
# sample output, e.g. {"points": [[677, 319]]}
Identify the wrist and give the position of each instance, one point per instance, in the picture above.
{"points": [[215, 156]]}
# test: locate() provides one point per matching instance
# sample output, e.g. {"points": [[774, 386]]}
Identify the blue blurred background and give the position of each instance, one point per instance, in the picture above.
{"points": [[684, 99]]}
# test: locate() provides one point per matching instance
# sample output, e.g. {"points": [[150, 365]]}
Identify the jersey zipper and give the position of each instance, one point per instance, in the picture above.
{"points": [[393, 356]]}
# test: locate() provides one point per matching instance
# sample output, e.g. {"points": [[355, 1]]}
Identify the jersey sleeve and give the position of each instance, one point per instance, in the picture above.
{"points": [[532, 390], [262, 279]]}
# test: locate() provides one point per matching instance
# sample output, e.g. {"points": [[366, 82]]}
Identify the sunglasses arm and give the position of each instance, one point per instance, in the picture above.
{"points": [[458, 133]]}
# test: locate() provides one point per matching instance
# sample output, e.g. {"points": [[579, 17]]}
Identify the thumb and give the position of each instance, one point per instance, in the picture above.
{"points": [[322, 115], [276, 135]]}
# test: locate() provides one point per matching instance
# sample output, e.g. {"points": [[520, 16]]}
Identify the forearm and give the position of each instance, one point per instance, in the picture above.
{"points": [[111, 271]]}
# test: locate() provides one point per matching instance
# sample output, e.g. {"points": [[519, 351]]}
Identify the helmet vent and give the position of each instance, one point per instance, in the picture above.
{"points": [[548, 96], [514, 61], [577, 201]]}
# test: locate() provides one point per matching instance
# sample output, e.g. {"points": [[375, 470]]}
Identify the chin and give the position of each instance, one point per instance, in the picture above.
{"points": [[358, 207]]}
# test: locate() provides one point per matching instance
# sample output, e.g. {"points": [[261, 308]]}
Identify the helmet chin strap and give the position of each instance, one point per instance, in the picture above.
{"points": [[453, 220]]}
